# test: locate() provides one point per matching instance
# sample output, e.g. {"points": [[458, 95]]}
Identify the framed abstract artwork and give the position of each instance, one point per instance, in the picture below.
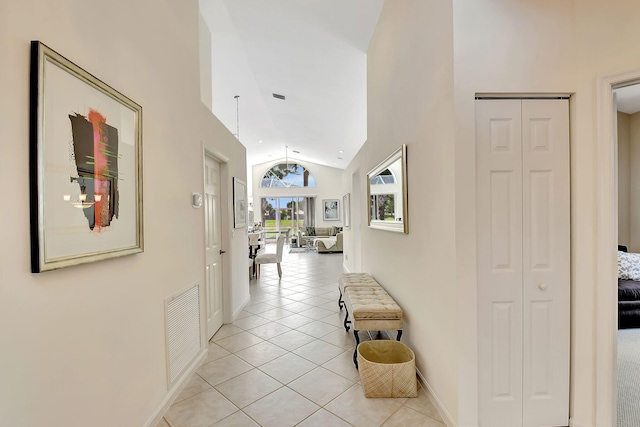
{"points": [[239, 203], [331, 210], [85, 166], [346, 210]]}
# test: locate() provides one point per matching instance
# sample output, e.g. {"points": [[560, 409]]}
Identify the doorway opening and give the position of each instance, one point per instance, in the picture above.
{"points": [[606, 245], [627, 128]]}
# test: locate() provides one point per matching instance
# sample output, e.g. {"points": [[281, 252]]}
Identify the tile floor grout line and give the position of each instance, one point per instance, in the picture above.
{"points": [[315, 295]]}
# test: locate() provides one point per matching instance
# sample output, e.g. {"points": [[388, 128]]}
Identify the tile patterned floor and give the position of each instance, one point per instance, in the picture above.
{"points": [[287, 361]]}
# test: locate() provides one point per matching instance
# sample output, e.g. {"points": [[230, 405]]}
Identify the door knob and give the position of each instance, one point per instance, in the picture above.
{"points": [[542, 286], [222, 252]]}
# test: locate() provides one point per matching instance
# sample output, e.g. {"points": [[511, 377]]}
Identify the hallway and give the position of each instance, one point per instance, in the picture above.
{"points": [[287, 361]]}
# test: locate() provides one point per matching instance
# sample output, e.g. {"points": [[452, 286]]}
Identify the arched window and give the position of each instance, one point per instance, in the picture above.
{"points": [[287, 175], [384, 177]]}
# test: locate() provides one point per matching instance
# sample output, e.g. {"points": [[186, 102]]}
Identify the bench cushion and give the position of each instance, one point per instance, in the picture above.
{"points": [[371, 303], [355, 279], [371, 308]]}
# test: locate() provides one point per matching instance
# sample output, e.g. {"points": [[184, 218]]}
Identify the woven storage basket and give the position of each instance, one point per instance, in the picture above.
{"points": [[387, 369]]}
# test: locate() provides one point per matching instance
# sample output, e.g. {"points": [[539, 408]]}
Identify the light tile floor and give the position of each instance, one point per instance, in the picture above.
{"points": [[287, 361]]}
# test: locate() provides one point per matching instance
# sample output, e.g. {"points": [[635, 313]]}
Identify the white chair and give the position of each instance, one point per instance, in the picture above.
{"points": [[271, 258], [254, 244]]}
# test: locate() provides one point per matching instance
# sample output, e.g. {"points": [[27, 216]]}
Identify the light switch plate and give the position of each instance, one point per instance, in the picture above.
{"points": [[196, 200]]}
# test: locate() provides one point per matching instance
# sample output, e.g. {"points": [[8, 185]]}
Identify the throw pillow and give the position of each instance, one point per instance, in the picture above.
{"points": [[311, 231], [335, 230], [628, 266]]}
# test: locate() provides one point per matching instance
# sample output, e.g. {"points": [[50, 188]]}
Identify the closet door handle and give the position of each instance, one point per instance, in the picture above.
{"points": [[542, 286]]}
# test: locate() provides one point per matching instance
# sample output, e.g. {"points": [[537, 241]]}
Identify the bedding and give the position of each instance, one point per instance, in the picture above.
{"points": [[628, 289]]}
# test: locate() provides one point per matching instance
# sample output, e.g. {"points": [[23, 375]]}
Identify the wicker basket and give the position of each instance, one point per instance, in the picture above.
{"points": [[387, 369]]}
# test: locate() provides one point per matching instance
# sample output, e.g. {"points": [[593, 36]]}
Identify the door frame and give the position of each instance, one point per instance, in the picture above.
{"points": [[606, 242], [226, 215]]}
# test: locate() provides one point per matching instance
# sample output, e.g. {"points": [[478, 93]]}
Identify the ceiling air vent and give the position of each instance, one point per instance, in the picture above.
{"points": [[296, 151], [275, 95]]}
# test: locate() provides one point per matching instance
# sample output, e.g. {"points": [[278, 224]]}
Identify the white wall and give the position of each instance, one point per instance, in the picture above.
{"points": [[85, 345], [206, 86], [329, 185], [500, 46], [410, 100]]}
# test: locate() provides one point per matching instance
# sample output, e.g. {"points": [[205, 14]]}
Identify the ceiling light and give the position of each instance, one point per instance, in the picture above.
{"points": [[260, 142], [341, 151]]}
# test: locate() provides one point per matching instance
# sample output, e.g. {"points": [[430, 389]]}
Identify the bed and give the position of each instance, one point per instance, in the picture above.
{"points": [[628, 297]]}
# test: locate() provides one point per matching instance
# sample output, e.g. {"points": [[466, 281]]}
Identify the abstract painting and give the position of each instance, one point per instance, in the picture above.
{"points": [[85, 166], [331, 210]]}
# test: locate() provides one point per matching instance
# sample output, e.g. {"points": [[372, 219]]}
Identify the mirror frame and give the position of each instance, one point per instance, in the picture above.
{"points": [[396, 226]]}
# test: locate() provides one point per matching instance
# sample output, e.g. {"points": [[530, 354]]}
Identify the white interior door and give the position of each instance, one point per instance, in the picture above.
{"points": [[523, 262], [499, 224], [213, 269], [546, 262]]}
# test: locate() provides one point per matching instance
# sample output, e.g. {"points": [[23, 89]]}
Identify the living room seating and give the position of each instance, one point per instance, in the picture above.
{"points": [[315, 235], [329, 244]]}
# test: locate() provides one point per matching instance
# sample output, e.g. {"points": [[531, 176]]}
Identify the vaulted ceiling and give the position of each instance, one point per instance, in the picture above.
{"points": [[313, 52]]}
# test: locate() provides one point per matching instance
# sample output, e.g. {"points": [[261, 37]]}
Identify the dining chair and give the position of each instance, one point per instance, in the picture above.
{"points": [[254, 244], [271, 258]]}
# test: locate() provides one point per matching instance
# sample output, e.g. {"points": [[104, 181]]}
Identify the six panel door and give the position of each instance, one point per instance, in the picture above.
{"points": [[523, 196]]}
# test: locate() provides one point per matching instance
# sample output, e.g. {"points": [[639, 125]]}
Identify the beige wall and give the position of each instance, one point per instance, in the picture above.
{"points": [[624, 179], [85, 346], [410, 101], [499, 46], [633, 203], [606, 34]]}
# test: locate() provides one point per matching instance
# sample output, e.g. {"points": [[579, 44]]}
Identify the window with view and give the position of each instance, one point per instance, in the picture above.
{"points": [[285, 175]]}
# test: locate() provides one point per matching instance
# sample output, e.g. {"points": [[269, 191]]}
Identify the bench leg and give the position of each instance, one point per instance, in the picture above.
{"points": [[399, 334], [340, 298], [355, 352], [346, 319]]}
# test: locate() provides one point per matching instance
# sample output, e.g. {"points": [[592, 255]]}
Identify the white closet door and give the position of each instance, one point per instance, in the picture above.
{"points": [[546, 275], [499, 222], [523, 262]]}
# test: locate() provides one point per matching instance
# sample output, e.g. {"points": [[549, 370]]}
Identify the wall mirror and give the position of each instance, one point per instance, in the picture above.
{"points": [[387, 193]]}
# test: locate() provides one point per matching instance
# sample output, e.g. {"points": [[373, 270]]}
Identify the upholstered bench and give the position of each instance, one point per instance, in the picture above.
{"points": [[370, 308], [353, 279]]}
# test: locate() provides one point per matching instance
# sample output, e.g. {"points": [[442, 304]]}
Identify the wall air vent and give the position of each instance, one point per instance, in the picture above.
{"points": [[275, 95], [296, 151], [182, 331]]}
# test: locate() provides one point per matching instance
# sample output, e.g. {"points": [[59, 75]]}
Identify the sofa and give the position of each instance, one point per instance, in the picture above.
{"points": [[324, 246], [306, 235]]}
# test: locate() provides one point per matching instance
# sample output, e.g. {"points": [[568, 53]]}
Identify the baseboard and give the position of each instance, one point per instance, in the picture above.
{"points": [[242, 306], [573, 423], [175, 391], [444, 414]]}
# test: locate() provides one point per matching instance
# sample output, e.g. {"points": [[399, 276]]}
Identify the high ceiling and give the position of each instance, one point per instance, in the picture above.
{"points": [[311, 51]]}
